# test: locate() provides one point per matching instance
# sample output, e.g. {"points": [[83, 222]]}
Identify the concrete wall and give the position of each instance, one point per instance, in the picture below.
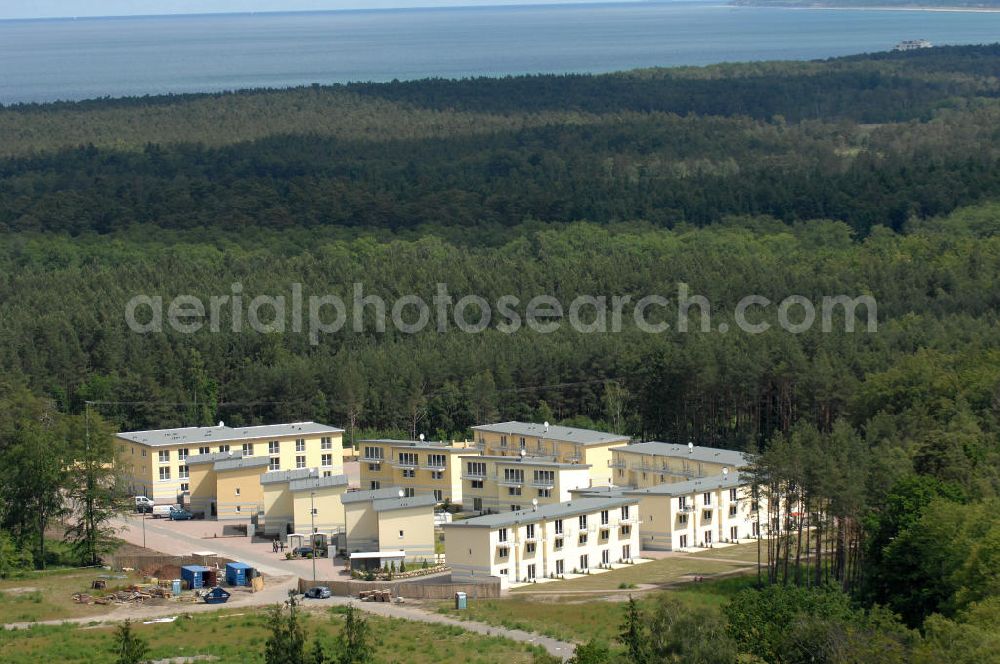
{"points": [[416, 589], [329, 510], [202, 482], [279, 508], [417, 527], [239, 493]]}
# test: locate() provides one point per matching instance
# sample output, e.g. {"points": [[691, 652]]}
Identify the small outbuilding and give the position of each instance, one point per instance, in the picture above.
{"points": [[197, 576], [363, 561], [238, 574]]}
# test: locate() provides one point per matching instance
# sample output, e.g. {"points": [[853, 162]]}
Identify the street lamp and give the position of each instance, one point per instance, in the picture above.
{"points": [[312, 520]]}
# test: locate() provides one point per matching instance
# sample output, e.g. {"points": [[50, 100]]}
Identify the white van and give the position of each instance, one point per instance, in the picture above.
{"points": [[143, 504]]}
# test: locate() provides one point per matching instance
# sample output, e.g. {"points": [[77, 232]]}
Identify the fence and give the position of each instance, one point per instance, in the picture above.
{"points": [[410, 590], [141, 562]]}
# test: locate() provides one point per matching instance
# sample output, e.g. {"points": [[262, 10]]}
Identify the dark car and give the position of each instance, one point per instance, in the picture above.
{"points": [[308, 552], [177, 514], [318, 592]]}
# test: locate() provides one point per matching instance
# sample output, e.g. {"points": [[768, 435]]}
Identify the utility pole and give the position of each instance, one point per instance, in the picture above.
{"points": [[312, 522]]}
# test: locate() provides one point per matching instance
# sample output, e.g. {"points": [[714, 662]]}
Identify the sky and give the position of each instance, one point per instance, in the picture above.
{"points": [[65, 8]]}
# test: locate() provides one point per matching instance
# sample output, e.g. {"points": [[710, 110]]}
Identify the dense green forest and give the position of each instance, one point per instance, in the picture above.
{"points": [[865, 176]]}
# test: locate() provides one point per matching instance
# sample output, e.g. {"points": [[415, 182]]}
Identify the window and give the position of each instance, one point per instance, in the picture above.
{"points": [[239, 508], [502, 535], [605, 533], [605, 557], [732, 510], [625, 512], [438, 495], [584, 562], [143, 452], [503, 441], [627, 552], [583, 522], [274, 447], [522, 443], [247, 449], [223, 448], [407, 459], [164, 456], [706, 499], [400, 534], [437, 474], [754, 529], [545, 493], [326, 443], [531, 572], [237, 491], [682, 519], [182, 454], [185, 487], [326, 460], [409, 492], [682, 543], [165, 473], [300, 445], [559, 567], [626, 531], [583, 539], [503, 572], [503, 552], [374, 467], [183, 472], [374, 485], [514, 507], [477, 484], [708, 537], [436, 460], [734, 533], [706, 515], [604, 517], [513, 491], [327, 473], [476, 468], [557, 543], [682, 503], [529, 548], [529, 531], [300, 462], [274, 464], [409, 472], [559, 527], [374, 453], [732, 495], [204, 450], [513, 475], [477, 504]]}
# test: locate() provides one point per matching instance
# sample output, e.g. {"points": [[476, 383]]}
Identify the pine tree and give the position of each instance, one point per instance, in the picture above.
{"points": [[130, 648], [631, 634]]}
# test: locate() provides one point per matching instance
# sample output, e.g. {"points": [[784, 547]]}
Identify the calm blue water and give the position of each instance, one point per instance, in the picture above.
{"points": [[77, 59]]}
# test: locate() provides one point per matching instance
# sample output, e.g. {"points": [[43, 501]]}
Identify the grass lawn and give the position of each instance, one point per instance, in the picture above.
{"points": [[48, 595], [667, 570], [235, 638], [586, 616]]}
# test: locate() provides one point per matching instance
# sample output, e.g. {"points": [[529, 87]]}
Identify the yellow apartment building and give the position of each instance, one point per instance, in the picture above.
{"points": [[226, 485], [279, 504], [510, 483], [382, 520], [649, 464], [156, 462], [564, 444], [416, 466], [316, 504], [545, 542]]}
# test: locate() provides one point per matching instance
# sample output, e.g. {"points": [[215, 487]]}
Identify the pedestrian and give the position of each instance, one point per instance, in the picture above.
{"points": [[274, 546], [282, 545]]}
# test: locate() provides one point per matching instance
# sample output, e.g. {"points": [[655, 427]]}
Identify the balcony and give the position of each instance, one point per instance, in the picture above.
{"points": [[628, 521], [474, 477], [686, 509], [368, 459], [650, 467], [405, 465], [510, 481], [616, 464], [544, 484], [433, 466]]}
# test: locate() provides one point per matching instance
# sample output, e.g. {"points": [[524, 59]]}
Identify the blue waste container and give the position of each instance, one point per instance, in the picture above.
{"points": [[461, 601]]}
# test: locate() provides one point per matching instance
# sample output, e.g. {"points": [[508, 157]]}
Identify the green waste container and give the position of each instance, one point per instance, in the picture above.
{"points": [[461, 601]]}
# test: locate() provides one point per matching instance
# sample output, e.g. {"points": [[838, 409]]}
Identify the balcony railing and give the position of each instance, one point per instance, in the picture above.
{"points": [[368, 459], [544, 484], [434, 466], [687, 509], [616, 464], [473, 476], [510, 481], [404, 464]]}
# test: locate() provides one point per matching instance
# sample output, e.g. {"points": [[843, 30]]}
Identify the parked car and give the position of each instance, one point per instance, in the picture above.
{"points": [[180, 514], [318, 592], [143, 504], [303, 551], [163, 511]]}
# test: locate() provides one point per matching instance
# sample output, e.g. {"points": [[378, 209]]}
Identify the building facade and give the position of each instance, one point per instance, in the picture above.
{"points": [[564, 444], [279, 503], [417, 466], [156, 465], [382, 520], [317, 505], [649, 464], [510, 483], [545, 542]]}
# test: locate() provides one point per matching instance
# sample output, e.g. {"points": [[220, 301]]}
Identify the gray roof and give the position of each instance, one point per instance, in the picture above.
{"points": [[238, 463], [599, 491], [700, 485], [545, 512], [696, 453], [397, 503], [554, 432], [376, 494], [278, 476], [433, 445], [213, 457], [222, 433], [528, 460], [312, 483]]}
